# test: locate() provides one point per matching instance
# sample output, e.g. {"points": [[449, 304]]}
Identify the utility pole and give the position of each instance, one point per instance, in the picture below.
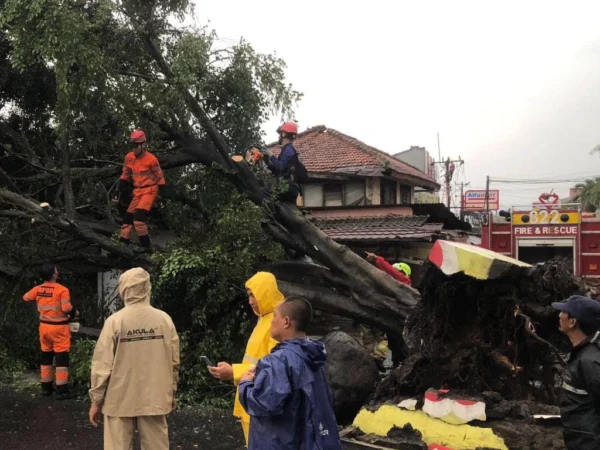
{"points": [[487, 195], [450, 166], [462, 199]]}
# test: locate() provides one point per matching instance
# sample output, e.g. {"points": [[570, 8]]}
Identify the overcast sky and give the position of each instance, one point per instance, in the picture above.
{"points": [[513, 87]]}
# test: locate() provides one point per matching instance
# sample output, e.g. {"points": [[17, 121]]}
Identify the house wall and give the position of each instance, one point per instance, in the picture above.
{"points": [[415, 156], [420, 158], [314, 192]]}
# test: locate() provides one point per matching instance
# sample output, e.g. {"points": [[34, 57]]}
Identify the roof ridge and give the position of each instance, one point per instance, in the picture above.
{"points": [[370, 149], [315, 129]]}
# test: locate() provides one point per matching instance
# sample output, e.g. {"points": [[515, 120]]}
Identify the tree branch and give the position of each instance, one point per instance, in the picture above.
{"points": [[59, 221], [139, 75], [194, 106], [6, 181], [183, 158]]}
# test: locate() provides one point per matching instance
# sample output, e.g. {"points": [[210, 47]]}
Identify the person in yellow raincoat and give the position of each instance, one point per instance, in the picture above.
{"points": [[264, 296]]}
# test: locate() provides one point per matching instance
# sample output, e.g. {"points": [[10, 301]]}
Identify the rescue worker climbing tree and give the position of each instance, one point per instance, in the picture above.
{"points": [[142, 168], [287, 167], [54, 305]]}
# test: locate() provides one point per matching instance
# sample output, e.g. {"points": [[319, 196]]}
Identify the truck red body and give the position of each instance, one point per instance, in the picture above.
{"points": [[546, 230]]}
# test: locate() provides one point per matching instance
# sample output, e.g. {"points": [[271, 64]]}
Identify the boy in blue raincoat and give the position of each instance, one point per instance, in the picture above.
{"points": [[288, 396]]}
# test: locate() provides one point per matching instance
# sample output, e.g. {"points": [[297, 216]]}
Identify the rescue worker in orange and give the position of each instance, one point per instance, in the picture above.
{"points": [[54, 305], [143, 170], [264, 296]]}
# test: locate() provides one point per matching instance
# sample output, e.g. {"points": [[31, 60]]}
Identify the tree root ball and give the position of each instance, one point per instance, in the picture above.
{"points": [[352, 374], [477, 335]]}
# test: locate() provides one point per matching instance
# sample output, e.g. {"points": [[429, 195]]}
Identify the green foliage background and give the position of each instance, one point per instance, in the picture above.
{"points": [[77, 74]]}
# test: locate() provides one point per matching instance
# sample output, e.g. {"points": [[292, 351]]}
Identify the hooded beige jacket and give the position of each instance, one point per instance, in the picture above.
{"points": [[135, 367]]}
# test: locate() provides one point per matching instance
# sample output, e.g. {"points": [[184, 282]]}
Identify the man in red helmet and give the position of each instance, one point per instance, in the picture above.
{"points": [[287, 167], [143, 170]]}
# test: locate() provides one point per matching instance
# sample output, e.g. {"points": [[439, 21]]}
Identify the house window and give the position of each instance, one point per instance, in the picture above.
{"points": [[312, 194], [388, 192], [405, 195], [333, 194], [354, 193]]}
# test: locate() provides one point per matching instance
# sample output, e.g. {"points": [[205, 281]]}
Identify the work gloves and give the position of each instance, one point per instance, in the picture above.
{"points": [[266, 152]]}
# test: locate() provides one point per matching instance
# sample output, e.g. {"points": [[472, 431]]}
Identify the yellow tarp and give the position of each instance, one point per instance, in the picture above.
{"points": [[434, 431]]}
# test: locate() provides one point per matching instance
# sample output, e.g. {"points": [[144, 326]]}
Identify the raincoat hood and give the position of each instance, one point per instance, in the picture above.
{"points": [[264, 287], [135, 287], [312, 352]]}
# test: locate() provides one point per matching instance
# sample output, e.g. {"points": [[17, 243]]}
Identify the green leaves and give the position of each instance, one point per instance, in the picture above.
{"points": [[590, 194], [201, 284]]}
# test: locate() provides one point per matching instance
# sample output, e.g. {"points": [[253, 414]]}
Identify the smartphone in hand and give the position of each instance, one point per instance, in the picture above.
{"points": [[207, 361]]}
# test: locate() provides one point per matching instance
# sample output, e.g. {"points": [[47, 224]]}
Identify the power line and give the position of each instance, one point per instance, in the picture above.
{"points": [[536, 180]]}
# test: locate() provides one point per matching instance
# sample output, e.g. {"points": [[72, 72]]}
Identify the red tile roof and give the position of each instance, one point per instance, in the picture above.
{"points": [[374, 228], [324, 150]]}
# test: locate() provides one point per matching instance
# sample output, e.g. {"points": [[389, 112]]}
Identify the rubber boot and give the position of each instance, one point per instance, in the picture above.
{"points": [[145, 244], [64, 392], [47, 389], [125, 241]]}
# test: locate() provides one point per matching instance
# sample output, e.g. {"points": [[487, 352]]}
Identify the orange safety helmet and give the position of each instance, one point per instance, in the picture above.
{"points": [[137, 137], [288, 127]]}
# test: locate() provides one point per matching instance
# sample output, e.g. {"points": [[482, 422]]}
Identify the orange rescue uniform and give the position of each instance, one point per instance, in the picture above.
{"points": [[54, 305], [145, 173]]}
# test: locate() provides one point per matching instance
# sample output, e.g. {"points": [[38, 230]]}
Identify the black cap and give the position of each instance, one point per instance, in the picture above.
{"points": [[584, 309]]}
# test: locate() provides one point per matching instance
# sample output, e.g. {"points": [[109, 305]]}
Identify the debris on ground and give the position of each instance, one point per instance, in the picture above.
{"points": [[405, 438]]}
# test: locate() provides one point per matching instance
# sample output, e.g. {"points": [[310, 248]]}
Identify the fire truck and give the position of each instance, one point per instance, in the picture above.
{"points": [[545, 230]]}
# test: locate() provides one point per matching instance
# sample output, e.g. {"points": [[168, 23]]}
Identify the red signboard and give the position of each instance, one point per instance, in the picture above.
{"points": [[475, 200], [546, 230]]}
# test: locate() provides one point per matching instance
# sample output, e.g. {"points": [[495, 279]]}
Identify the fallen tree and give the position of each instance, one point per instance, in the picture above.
{"points": [[188, 132]]}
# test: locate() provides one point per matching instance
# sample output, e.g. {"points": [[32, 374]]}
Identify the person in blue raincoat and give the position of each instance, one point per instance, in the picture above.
{"points": [[287, 395]]}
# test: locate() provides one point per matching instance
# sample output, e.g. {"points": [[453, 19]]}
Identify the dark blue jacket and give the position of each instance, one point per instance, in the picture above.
{"points": [[290, 403], [281, 165], [580, 399]]}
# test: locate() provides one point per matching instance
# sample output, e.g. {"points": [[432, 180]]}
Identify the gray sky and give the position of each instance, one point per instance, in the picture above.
{"points": [[513, 87]]}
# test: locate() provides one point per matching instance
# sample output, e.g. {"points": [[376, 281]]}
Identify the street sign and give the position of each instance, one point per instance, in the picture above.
{"points": [[475, 200]]}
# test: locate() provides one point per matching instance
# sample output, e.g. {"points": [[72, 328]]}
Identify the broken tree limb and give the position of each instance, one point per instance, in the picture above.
{"points": [[59, 221], [339, 258], [105, 228], [333, 293]]}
